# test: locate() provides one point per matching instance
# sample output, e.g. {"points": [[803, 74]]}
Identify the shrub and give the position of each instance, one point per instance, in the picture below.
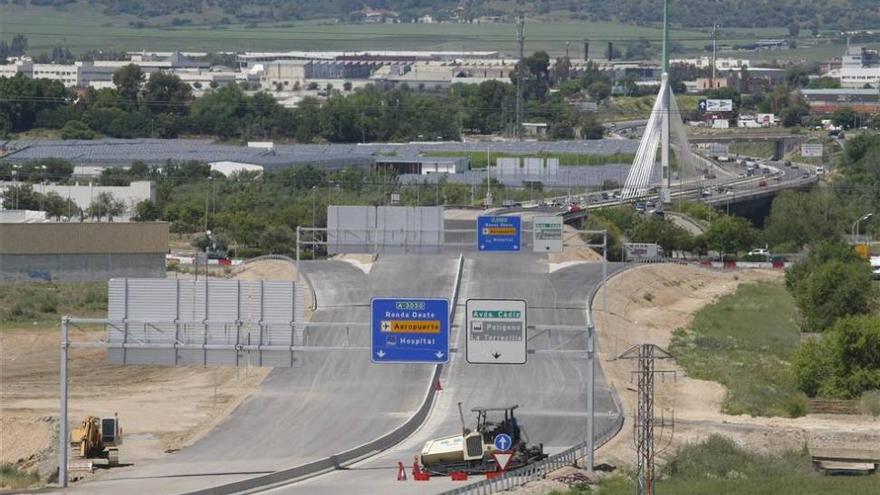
{"points": [[75, 129], [845, 363], [12, 477], [833, 290]]}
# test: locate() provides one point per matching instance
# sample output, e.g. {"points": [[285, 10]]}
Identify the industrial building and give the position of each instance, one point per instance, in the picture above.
{"points": [[102, 153], [82, 251], [857, 67], [423, 165], [829, 100]]}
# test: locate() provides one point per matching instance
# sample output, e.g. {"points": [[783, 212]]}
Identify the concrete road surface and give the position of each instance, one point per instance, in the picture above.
{"points": [[325, 404], [550, 388]]}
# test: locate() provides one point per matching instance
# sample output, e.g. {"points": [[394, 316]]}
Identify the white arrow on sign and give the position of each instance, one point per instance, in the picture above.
{"points": [[502, 460], [381, 353], [439, 354]]}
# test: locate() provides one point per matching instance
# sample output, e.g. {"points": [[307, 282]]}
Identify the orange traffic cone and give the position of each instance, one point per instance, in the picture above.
{"points": [[437, 385], [401, 472]]}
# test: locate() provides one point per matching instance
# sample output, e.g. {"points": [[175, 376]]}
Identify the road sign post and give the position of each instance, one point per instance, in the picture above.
{"points": [[496, 331], [547, 234], [497, 233], [503, 442], [410, 331]]}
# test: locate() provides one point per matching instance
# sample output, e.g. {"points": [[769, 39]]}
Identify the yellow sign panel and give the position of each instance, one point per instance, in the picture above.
{"points": [[862, 251], [415, 326], [502, 230]]}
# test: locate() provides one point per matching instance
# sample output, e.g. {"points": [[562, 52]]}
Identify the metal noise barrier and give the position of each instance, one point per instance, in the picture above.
{"points": [[539, 470], [335, 461]]}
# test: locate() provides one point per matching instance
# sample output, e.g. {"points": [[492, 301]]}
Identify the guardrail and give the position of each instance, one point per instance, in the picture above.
{"points": [[336, 461], [568, 457]]}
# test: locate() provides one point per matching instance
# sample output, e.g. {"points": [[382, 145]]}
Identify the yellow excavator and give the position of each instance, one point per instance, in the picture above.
{"points": [[98, 438]]}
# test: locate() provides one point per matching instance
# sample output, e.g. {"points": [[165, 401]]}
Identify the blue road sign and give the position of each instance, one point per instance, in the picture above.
{"points": [[498, 233], [410, 331], [503, 442]]}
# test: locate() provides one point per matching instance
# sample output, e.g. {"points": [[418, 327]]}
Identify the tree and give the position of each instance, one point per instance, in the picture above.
{"points": [[166, 93], [655, 230], [591, 128], [845, 363], [129, 80], [18, 46], [796, 77], [730, 234], [844, 117], [75, 129], [833, 290], [792, 116], [600, 90], [25, 98], [56, 207], [21, 197], [146, 211], [105, 205], [799, 218]]}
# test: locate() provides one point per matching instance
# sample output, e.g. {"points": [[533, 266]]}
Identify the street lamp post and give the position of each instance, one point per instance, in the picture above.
{"points": [[855, 227], [314, 205]]}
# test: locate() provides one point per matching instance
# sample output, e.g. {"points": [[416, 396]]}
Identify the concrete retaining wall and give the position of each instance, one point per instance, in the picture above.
{"points": [[80, 267]]}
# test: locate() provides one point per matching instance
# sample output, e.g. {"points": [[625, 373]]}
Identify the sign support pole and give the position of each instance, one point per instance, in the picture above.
{"points": [[591, 389], [63, 441], [605, 271]]}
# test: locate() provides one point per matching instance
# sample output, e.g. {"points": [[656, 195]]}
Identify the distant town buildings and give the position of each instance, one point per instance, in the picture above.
{"points": [[857, 68]]}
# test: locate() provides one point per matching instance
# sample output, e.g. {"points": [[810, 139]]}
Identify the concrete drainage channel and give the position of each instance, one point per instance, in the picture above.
{"points": [[357, 453]]}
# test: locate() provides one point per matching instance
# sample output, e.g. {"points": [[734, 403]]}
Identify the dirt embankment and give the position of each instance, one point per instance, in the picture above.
{"points": [[160, 408], [647, 304]]}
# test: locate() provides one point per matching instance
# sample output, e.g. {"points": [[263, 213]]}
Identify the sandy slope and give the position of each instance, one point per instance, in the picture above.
{"points": [[160, 408]]}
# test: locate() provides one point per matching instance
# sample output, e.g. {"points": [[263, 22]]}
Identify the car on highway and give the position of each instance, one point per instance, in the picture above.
{"points": [[760, 252], [706, 193], [763, 183], [805, 175], [640, 207]]}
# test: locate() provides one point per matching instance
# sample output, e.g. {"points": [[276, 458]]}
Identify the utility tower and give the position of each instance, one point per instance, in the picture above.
{"points": [[520, 74], [645, 422], [666, 98]]}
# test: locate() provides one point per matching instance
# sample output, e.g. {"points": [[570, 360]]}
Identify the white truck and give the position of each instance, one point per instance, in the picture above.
{"points": [[642, 251], [875, 266]]}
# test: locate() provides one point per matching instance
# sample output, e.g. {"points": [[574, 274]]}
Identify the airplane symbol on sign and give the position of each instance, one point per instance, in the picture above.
{"points": [[386, 326]]}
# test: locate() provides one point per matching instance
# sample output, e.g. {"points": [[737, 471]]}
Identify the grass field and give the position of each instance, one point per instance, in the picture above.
{"points": [[12, 478], [639, 107], [718, 465], [743, 342], [82, 26], [46, 303], [757, 149]]}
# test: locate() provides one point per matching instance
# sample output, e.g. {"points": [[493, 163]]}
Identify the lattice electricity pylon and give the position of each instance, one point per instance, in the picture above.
{"points": [[645, 422]]}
